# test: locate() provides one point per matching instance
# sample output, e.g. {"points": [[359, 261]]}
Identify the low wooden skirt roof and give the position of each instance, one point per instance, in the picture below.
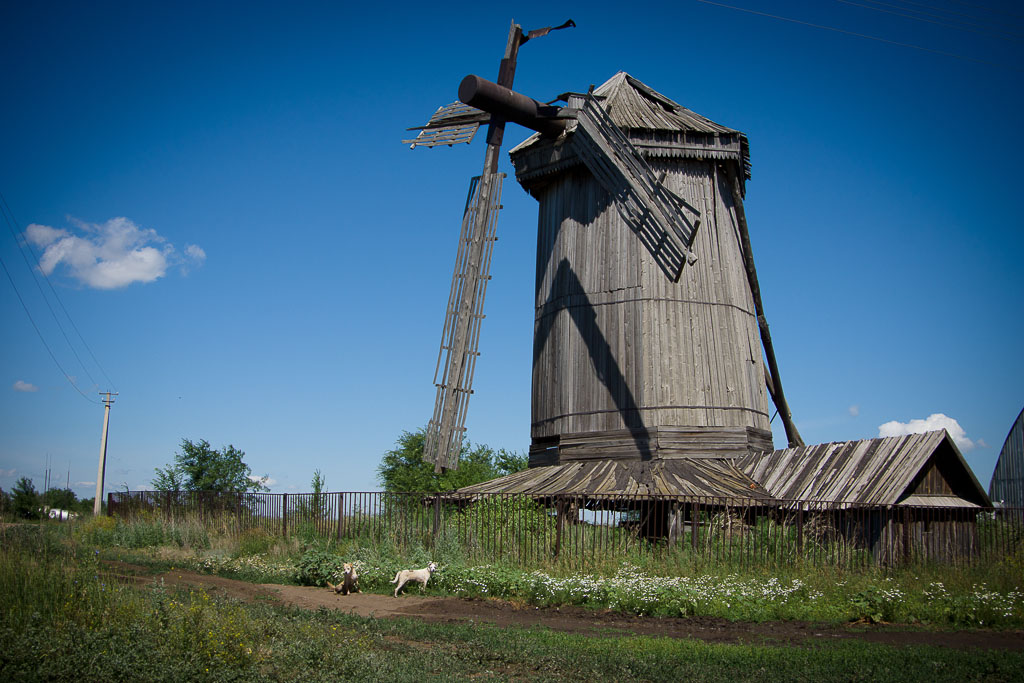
{"points": [[913, 470], [691, 477]]}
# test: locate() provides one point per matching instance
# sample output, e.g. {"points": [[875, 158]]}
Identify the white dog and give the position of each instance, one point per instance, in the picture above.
{"points": [[422, 575]]}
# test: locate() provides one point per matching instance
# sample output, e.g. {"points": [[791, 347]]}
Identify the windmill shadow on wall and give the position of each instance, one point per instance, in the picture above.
{"points": [[567, 294]]}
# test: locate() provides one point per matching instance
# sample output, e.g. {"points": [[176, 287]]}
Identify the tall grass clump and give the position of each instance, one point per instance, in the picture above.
{"points": [[146, 531]]}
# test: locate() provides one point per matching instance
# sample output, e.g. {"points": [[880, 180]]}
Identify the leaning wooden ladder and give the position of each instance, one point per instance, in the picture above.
{"points": [[460, 338]]}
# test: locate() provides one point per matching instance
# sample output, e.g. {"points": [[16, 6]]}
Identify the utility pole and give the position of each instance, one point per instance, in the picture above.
{"points": [[97, 505]]}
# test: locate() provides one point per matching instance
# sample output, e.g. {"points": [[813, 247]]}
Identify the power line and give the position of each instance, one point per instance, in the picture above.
{"points": [[41, 338], [937, 11], [861, 35], [12, 223], [899, 11], [986, 8], [43, 294]]}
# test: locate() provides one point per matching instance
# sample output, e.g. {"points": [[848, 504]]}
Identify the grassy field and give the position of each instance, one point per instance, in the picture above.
{"points": [[60, 618], [638, 583]]}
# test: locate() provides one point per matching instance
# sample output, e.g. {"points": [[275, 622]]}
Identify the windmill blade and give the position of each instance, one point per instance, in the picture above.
{"points": [[664, 222], [460, 339], [450, 125]]}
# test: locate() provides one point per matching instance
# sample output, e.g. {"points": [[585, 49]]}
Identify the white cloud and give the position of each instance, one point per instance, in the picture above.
{"points": [[854, 410], [931, 423], [7, 473], [25, 386], [109, 255], [85, 483], [266, 481], [195, 252]]}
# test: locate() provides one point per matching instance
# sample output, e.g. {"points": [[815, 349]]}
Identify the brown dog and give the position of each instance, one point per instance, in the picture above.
{"points": [[349, 581]]}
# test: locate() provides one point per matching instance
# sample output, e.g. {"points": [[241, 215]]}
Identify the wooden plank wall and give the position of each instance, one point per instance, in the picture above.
{"points": [[618, 345]]}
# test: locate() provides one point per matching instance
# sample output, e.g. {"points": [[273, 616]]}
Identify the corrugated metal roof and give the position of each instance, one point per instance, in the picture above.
{"points": [[1007, 484], [871, 471], [693, 477]]}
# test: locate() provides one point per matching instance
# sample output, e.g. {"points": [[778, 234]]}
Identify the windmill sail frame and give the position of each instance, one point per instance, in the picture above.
{"points": [[460, 338], [652, 211]]}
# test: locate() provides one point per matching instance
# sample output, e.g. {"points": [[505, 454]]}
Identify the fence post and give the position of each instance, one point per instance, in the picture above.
{"points": [[906, 535], [674, 525], [559, 522], [341, 505], [110, 505], [800, 531], [284, 515], [437, 518]]}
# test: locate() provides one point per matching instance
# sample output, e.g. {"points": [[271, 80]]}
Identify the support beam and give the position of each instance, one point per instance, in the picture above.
{"points": [[775, 388]]}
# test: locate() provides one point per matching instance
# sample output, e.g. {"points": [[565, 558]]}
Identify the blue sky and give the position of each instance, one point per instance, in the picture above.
{"points": [[222, 204]]}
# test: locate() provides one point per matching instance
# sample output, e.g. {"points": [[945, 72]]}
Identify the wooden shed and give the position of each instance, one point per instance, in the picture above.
{"points": [[915, 469], [629, 363], [1007, 485], [893, 495]]}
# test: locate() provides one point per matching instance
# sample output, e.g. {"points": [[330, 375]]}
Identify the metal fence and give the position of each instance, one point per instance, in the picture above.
{"points": [[586, 530]]}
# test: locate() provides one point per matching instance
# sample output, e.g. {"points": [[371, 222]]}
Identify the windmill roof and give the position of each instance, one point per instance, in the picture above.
{"points": [[870, 471], [656, 125], [633, 105]]}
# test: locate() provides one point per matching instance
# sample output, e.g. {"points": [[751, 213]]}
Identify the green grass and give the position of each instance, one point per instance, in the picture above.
{"points": [[640, 583], [62, 619]]}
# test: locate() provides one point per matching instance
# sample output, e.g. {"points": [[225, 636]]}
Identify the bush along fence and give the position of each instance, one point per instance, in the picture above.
{"points": [[581, 531]]}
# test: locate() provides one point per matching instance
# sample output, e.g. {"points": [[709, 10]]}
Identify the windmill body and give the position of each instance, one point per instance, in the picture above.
{"points": [[629, 363], [648, 328]]}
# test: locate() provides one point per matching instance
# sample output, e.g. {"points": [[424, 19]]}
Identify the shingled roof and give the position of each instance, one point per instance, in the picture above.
{"points": [[915, 469], [656, 125], [691, 477]]}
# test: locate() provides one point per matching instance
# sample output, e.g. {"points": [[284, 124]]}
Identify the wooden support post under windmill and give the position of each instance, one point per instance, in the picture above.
{"points": [[774, 378]]}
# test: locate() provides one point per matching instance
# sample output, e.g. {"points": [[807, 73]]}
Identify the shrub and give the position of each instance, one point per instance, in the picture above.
{"points": [[317, 565], [255, 542], [98, 531]]}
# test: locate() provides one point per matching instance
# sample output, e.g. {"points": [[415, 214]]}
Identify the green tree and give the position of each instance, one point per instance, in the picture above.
{"points": [[201, 468], [319, 484], [315, 506], [402, 469], [167, 479], [85, 506], [25, 499], [62, 499]]}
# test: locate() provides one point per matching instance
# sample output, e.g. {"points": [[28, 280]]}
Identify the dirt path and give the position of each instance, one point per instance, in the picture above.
{"points": [[572, 619]]}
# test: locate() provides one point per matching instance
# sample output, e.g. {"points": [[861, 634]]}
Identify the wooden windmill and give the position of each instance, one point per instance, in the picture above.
{"points": [[648, 311]]}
